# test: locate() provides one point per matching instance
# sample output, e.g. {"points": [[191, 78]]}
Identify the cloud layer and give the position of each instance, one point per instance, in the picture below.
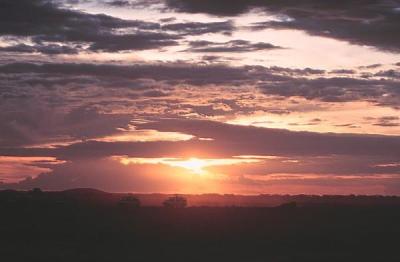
{"points": [[106, 93], [371, 22]]}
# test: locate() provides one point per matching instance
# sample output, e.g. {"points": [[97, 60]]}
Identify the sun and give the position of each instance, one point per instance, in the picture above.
{"points": [[193, 164]]}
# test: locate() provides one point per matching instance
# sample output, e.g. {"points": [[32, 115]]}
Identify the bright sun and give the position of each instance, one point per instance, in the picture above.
{"points": [[194, 164]]}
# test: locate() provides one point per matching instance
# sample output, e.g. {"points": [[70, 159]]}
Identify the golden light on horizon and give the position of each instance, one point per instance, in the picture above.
{"points": [[194, 165]]}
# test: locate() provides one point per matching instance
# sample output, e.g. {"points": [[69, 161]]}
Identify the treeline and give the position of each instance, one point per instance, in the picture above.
{"points": [[97, 197]]}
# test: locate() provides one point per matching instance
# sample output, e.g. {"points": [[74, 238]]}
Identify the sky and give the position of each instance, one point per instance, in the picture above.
{"points": [[201, 96]]}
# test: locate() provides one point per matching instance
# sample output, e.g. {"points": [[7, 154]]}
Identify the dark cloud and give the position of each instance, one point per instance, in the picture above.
{"points": [[227, 141], [296, 72], [211, 58], [349, 125], [138, 41], [155, 93], [220, 8], [230, 46], [50, 49], [264, 141], [336, 89], [370, 22], [385, 121], [44, 18], [119, 3], [194, 74], [389, 73], [198, 28], [276, 81], [135, 4], [45, 21], [327, 166], [343, 71], [167, 20], [37, 124], [373, 66]]}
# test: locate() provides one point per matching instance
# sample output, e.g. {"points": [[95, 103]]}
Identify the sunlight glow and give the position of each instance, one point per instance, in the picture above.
{"points": [[193, 164]]}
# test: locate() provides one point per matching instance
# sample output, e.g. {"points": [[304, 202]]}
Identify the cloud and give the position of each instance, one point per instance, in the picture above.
{"points": [[273, 81], [389, 74], [372, 66], [89, 114], [336, 89], [138, 41], [227, 141], [198, 28], [221, 8], [343, 71], [50, 49], [230, 46], [303, 156], [295, 71], [175, 72], [371, 22], [44, 18], [134, 4], [120, 3], [385, 121], [328, 166], [46, 21], [264, 141], [38, 125]]}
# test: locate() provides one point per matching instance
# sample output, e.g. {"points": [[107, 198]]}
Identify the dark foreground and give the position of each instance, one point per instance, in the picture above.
{"points": [[73, 232]]}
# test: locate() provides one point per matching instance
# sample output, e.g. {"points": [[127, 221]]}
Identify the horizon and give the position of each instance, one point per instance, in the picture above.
{"points": [[93, 197], [187, 194], [193, 97]]}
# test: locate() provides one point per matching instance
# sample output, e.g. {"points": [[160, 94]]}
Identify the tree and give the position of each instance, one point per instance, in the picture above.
{"points": [[36, 192], [129, 201], [175, 202]]}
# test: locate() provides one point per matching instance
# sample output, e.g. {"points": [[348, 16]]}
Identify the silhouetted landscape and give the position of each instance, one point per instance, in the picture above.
{"points": [[91, 225]]}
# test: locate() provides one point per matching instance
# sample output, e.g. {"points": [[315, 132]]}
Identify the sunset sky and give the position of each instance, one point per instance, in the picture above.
{"points": [[201, 96]]}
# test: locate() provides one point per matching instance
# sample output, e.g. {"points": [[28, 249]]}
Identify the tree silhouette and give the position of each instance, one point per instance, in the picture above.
{"points": [[175, 202], [36, 192], [129, 201]]}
